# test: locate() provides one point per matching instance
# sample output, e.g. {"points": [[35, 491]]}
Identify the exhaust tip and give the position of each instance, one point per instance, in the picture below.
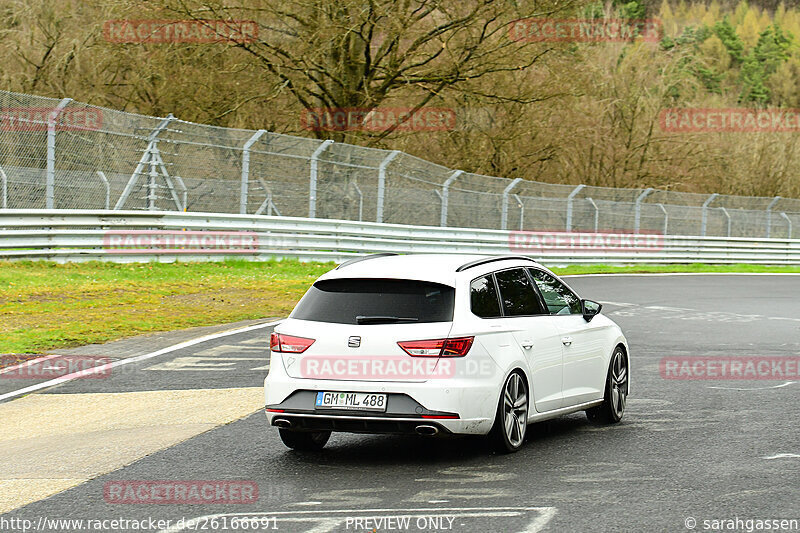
{"points": [[282, 423], [426, 430]]}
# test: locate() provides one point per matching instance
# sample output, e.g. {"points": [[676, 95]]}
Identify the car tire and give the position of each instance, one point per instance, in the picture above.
{"points": [[511, 419], [616, 392], [306, 441]]}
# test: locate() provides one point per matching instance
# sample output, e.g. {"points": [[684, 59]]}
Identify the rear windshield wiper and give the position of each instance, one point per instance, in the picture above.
{"points": [[376, 319]]}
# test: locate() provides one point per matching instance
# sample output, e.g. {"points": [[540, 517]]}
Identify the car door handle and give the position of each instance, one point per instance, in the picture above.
{"points": [[527, 344], [566, 341]]}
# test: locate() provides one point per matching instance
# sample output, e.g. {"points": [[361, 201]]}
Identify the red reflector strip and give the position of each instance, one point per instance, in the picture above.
{"points": [[457, 347], [275, 411], [440, 416]]}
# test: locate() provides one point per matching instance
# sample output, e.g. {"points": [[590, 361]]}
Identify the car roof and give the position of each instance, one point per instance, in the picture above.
{"points": [[437, 268]]}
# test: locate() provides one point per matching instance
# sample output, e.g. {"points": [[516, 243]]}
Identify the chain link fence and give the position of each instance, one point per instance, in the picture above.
{"points": [[62, 154]]}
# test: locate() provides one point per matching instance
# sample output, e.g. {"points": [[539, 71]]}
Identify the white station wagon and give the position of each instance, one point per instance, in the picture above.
{"points": [[435, 344]]}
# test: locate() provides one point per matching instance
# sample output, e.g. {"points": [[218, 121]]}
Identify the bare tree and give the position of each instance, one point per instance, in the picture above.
{"points": [[344, 54]]}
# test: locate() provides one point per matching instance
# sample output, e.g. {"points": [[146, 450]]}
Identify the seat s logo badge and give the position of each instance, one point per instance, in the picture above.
{"points": [[354, 342]]}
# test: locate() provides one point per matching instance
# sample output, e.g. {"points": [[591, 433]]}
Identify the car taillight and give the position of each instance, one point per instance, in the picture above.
{"points": [[438, 347], [288, 343]]}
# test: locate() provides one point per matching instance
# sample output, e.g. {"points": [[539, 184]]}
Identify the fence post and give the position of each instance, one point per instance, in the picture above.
{"points": [[666, 218], [575, 191], [382, 183], [637, 218], [108, 188], [728, 216], [50, 185], [504, 208], [312, 186], [521, 206], [788, 221], [596, 214], [5, 187], [360, 202], [704, 216], [246, 170], [769, 214], [446, 195], [152, 195]]}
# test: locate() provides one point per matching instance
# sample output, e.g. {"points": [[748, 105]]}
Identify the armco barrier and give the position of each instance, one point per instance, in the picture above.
{"points": [[136, 236]]}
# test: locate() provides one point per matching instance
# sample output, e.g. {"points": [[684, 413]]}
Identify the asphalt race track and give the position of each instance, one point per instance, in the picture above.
{"points": [[687, 453]]}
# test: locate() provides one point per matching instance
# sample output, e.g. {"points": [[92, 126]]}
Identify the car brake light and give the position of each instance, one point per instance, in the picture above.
{"points": [[289, 344], [438, 347]]}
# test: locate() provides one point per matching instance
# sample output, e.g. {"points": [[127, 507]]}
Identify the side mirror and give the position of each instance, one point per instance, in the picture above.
{"points": [[590, 309]]}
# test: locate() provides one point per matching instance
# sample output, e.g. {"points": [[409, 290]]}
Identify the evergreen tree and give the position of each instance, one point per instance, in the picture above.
{"points": [[727, 34], [633, 9], [771, 50]]}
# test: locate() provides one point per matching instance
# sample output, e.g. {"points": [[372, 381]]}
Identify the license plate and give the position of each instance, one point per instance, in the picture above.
{"points": [[351, 400]]}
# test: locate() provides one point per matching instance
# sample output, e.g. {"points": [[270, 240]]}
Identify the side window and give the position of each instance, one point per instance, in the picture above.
{"points": [[483, 298], [517, 294], [558, 298]]}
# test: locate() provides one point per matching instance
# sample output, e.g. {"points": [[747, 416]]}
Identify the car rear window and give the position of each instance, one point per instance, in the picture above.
{"points": [[341, 301]]}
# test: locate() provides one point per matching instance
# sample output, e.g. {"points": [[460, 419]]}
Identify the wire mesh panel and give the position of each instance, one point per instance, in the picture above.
{"points": [[530, 213], [348, 182], [24, 122], [69, 155], [415, 191], [279, 172]]}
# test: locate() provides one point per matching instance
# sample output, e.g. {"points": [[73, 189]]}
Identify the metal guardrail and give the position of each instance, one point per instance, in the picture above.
{"points": [[136, 236]]}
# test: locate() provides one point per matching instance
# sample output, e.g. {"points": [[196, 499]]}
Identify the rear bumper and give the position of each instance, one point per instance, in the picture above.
{"points": [[403, 415], [458, 407]]}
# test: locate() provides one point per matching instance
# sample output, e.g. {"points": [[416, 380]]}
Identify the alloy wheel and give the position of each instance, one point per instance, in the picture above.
{"points": [[515, 409], [619, 383]]}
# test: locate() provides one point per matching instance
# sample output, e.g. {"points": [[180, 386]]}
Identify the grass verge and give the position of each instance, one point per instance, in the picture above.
{"points": [[44, 306]]}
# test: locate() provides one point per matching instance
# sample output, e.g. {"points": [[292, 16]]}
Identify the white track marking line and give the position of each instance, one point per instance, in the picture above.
{"points": [[620, 304], [546, 514], [756, 388], [782, 456], [29, 362], [144, 357]]}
